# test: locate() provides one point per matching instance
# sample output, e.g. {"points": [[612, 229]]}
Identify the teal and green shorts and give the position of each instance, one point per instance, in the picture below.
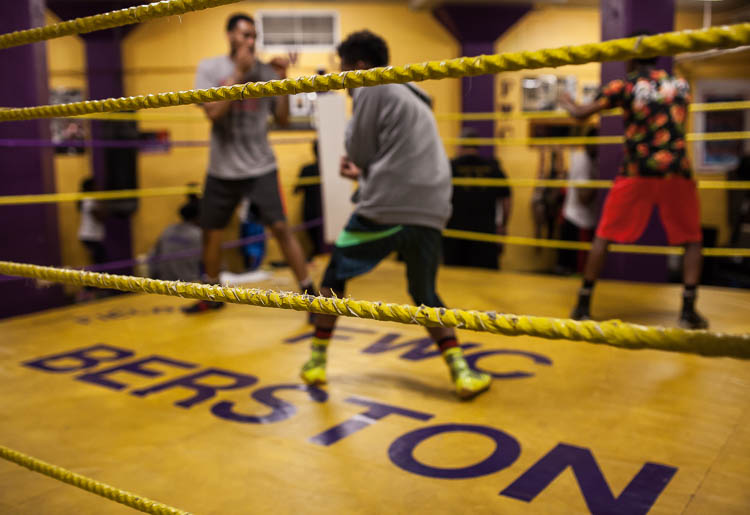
{"points": [[363, 244]]}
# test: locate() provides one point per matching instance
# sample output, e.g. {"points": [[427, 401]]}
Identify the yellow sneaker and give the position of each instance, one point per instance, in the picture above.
{"points": [[313, 372], [469, 383]]}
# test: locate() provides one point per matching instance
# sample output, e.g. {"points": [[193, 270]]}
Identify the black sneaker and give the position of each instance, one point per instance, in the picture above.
{"points": [[692, 320], [202, 306], [581, 313]]}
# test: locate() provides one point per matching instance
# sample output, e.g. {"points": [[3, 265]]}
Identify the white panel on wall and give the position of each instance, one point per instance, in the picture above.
{"points": [[336, 190]]}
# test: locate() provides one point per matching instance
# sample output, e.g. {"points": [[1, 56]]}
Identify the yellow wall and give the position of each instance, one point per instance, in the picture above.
{"points": [[180, 44], [729, 66], [162, 55], [66, 65], [543, 27], [713, 202]]}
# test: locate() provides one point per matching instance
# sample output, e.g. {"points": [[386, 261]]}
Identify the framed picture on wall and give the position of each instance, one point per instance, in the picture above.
{"points": [[67, 130], [567, 85], [720, 156], [301, 112], [539, 93], [505, 86], [301, 104], [543, 92]]}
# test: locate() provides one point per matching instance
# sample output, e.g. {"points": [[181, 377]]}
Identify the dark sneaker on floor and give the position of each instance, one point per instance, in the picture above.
{"points": [[692, 320], [581, 313], [202, 306]]}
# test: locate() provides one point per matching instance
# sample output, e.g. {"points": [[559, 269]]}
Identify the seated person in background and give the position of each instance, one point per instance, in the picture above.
{"points": [[579, 208], [179, 237], [193, 198], [312, 206], [475, 208], [251, 227]]}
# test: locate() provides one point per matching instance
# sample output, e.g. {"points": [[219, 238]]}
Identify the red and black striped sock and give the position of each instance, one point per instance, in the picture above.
{"points": [[321, 338], [447, 343]]}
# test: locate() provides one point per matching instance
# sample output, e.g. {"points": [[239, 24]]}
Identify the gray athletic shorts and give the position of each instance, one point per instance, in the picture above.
{"points": [[221, 196]]}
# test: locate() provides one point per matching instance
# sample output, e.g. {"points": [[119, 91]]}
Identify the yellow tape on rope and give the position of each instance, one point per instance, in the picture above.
{"points": [[308, 181], [533, 183], [590, 140], [46, 198], [108, 20], [565, 183], [718, 136], [450, 233], [580, 245], [137, 502], [613, 332], [556, 183], [724, 185], [615, 50], [702, 107]]}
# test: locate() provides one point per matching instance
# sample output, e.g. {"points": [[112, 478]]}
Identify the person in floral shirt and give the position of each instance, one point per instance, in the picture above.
{"points": [[655, 172]]}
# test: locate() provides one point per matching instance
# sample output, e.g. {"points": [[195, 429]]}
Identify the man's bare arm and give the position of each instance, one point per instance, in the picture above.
{"points": [[580, 111], [216, 110], [244, 60]]}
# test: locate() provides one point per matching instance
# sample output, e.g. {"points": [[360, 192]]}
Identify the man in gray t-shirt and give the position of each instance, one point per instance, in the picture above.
{"points": [[241, 162], [239, 138]]}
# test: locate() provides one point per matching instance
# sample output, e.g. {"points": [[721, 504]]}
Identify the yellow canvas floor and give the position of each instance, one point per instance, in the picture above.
{"points": [[567, 427]]}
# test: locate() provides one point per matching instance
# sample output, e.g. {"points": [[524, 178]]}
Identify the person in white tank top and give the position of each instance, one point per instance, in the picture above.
{"points": [[579, 208], [91, 233]]}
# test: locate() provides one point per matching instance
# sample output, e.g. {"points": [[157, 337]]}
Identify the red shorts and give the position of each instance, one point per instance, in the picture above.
{"points": [[631, 200]]}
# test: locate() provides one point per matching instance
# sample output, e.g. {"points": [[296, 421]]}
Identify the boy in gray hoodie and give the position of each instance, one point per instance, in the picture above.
{"points": [[404, 201]]}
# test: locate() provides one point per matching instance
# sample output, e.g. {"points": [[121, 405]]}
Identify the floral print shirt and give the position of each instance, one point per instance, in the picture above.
{"points": [[655, 106]]}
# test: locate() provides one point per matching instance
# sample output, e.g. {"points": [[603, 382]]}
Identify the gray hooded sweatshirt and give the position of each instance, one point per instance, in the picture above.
{"points": [[406, 177]]}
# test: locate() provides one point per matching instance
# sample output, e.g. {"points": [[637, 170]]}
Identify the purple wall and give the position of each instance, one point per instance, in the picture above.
{"points": [[620, 18], [105, 79], [27, 233], [30, 233], [477, 27]]}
